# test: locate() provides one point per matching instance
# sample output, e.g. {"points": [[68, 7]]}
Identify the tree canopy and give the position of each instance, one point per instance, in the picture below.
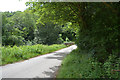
{"points": [[97, 24]]}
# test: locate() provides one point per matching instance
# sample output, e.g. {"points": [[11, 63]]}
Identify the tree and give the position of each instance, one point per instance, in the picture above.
{"points": [[10, 34], [25, 22], [17, 28], [97, 28], [69, 32], [48, 33]]}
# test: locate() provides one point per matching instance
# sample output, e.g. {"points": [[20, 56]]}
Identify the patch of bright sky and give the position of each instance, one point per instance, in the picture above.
{"points": [[12, 5]]}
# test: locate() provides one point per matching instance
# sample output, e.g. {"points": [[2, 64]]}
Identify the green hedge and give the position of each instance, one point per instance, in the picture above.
{"points": [[14, 54]]}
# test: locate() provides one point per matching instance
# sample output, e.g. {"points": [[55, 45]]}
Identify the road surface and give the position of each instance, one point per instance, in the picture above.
{"points": [[43, 66]]}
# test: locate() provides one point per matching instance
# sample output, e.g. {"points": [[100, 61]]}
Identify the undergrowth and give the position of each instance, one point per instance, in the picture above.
{"points": [[77, 65], [14, 54]]}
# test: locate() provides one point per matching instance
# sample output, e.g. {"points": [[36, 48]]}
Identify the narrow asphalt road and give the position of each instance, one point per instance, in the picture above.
{"points": [[43, 66]]}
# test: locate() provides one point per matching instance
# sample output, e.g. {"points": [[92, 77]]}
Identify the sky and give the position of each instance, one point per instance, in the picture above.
{"points": [[12, 5]]}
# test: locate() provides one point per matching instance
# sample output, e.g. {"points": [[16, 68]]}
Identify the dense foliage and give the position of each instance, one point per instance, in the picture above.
{"points": [[48, 34], [99, 34], [21, 28], [17, 28], [84, 66]]}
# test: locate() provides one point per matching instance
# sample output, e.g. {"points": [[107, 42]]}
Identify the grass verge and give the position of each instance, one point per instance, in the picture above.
{"points": [[77, 65], [15, 54]]}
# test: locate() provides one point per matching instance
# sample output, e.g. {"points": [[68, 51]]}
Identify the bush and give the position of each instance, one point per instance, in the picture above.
{"points": [[85, 66]]}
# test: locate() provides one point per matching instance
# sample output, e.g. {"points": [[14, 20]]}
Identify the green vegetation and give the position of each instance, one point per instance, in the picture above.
{"points": [[94, 27], [96, 24], [48, 34], [77, 65], [21, 28], [14, 54]]}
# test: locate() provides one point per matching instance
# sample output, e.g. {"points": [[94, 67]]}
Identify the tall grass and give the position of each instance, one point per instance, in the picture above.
{"points": [[77, 65], [14, 54]]}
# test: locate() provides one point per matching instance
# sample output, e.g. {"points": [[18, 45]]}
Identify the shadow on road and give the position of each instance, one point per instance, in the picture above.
{"points": [[53, 70], [51, 73], [58, 56]]}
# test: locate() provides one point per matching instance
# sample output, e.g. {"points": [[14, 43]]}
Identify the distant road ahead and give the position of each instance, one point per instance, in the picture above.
{"points": [[43, 66]]}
